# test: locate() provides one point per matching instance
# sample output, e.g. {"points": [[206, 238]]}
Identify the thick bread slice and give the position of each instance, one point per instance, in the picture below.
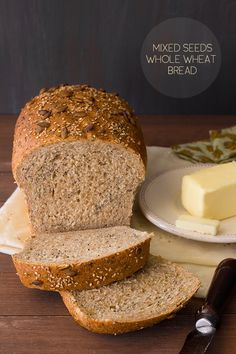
{"points": [[82, 259], [149, 296]]}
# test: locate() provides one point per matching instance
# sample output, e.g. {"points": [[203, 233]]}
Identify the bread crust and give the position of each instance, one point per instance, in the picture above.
{"points": [[107, 326], [71, 113], [112, 327], [83, 275]]}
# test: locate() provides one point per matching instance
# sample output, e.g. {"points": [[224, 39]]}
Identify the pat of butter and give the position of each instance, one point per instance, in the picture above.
{"points": [[202, 225], [211, 192]]}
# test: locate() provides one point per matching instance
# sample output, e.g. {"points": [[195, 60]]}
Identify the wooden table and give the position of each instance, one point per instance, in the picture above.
{"points": [[33, 321]]}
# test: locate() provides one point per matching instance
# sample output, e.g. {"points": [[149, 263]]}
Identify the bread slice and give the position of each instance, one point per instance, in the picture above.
{"points": [[149, 296], [79, 157], [82, 259]]}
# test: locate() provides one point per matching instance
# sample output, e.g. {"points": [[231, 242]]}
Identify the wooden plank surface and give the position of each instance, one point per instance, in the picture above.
{"points": [[33, 321], [59, 334]]}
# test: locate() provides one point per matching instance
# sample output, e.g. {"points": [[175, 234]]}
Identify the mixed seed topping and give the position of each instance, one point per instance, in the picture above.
{"points": [[74, 111]]}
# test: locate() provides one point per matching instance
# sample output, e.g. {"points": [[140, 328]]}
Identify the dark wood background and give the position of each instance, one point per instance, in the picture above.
{"points": [[43, 43]]}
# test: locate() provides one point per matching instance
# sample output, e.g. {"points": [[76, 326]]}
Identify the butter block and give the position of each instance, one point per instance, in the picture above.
{"points": [[202, 225], [211, 192]]}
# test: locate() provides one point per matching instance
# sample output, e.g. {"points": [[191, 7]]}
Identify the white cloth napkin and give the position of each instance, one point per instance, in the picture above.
{"points": [[14, 223], [199, 257]]}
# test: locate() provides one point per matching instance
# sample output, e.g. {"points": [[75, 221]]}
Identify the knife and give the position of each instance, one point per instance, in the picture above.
{"points": [[208, 316]]}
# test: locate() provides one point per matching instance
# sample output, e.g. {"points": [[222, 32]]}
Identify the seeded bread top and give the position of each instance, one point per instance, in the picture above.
{"points": [[70, 113]]}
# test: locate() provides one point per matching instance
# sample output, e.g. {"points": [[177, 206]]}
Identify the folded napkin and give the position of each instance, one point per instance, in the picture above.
{"points": [[220, 148], [14, 223], [198, 257]]}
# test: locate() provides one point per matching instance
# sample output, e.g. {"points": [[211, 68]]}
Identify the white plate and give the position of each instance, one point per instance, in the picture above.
{"points": [[160, 201]]}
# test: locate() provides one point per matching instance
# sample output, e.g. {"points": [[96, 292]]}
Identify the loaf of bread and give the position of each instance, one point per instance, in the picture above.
{"points": [[80, 157], [154, 293], [82, 259]]}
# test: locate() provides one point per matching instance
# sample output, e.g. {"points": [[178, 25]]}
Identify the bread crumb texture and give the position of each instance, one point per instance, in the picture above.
{"points": [[154, 293], [82, 259]]}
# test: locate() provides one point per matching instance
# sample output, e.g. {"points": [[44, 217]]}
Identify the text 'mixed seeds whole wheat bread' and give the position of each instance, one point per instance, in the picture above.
{"points": [[82, 259], [151, 295], [80, 157]]}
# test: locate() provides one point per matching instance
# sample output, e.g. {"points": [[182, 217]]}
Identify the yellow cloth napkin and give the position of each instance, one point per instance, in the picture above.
{"points": [[220, 148]]}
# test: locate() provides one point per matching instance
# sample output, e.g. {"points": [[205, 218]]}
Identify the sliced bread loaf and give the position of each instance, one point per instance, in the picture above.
{"points": [[80, 157], [82, 259], [149, 296]]}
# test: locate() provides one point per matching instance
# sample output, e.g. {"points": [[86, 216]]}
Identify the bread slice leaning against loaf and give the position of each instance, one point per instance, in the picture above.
{"points": [[79, 157], [82, 259], [148, 297]]}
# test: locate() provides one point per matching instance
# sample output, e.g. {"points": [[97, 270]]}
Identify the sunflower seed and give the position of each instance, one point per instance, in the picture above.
{"points": [[64, 267], [89, 127], [45, 113], [70, 272], [37, 282], [43, 124], [61, 109], [39, 129], [64, 132]]}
